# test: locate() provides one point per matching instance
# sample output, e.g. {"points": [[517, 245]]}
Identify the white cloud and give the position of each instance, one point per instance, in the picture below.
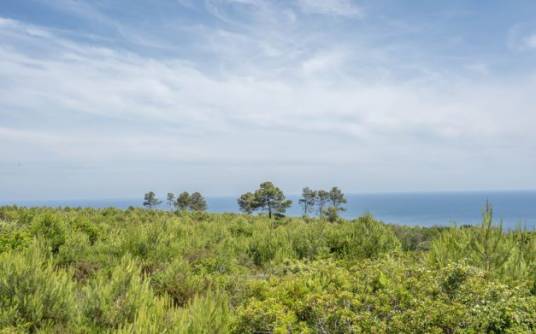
{"points": [[255, 113], [125, 86], [331, 7], [6, 22]]}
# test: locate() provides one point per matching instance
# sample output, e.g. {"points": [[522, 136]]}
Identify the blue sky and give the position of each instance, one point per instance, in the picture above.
{"points": [[115, 98]]}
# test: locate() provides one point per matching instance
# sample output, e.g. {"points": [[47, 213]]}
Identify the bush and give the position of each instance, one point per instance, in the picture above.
{"points": [[361, 239], [206, 314], [34, 295], [13, 237], [509, 255], [178, 282], [113, 299], [387, 296], [51, 229], [149, 271]]}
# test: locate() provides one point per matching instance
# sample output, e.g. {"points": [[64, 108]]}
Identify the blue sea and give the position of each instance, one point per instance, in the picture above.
{"points": [[423, 209]]}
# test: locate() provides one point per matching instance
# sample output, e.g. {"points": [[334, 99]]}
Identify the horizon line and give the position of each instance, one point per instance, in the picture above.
{"points": [[474, 191]]}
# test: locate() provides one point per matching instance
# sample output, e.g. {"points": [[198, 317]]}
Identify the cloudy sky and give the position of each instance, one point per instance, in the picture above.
{"points": [[109, 99]]}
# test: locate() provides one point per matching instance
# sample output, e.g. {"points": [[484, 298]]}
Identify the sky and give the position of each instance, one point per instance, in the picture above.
{"points": [[110, 99]]}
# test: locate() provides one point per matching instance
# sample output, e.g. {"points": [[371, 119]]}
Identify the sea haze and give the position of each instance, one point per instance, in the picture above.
{"points": [[424, 209]]}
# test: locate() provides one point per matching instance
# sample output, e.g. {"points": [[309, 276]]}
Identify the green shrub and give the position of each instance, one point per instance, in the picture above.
{"points": [[387, 296], [508, 255], [92, 230], [416, 238], [177, 281], [51, 229], [13, 237], [208, 314], [79, 270], [361, 239], [113, 299], [34, 295], [266, 244], [160, 317]]}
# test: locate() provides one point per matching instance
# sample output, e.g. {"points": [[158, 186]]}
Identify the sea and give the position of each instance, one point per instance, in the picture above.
{"points": [[514, 209]]}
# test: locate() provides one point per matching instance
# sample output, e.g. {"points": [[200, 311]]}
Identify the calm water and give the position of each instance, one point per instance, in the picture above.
{"points": [[423, 209]]}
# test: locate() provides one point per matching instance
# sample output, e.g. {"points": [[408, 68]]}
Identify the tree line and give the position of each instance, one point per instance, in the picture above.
{"points": [[327, 204], [182, 202], [268, 198]]}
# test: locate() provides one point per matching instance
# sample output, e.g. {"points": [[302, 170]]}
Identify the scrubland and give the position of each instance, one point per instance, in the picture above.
{"points": [[151, 271]]}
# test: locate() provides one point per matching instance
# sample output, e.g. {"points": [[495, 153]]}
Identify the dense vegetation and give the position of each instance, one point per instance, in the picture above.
{"points": [[152, 271]]}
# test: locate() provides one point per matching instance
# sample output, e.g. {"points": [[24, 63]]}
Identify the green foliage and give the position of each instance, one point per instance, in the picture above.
{"points": [[51, 229], [170, 199], [320, 198], [34, 295], [150, 200], [197, 202], [113, 299], [178, 281], [92, 231], [337, 199], [13, 237], [307, 201], [268, 198], [388, 296], [362, 238], [247, 203], [153, 271], [183, 201], [331, 214], [194, 202], [416, 238], [206, 314], [509, 256]]}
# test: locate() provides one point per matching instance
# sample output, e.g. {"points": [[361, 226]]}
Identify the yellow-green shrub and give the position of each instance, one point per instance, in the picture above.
{"points": [[34, 295]]}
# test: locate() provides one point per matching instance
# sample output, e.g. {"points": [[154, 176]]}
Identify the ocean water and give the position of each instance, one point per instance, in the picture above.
{"points": [[423, 209]]}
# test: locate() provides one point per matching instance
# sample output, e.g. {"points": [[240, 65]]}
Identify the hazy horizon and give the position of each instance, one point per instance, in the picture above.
{"points": [[162, 195], [513, 208], [104, 99]]}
